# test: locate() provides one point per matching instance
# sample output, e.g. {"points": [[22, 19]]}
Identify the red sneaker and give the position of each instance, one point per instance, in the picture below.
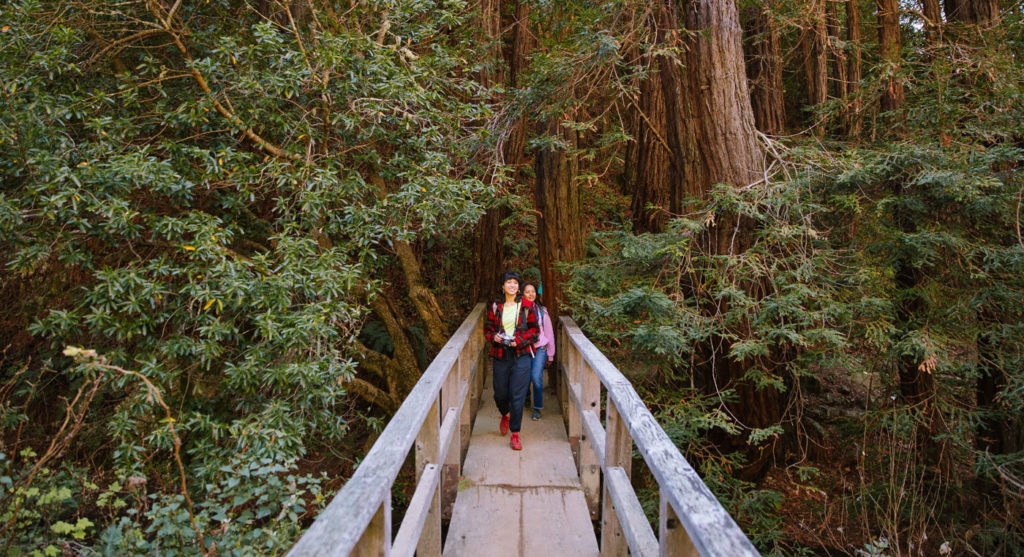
{"points": [[503, 425], [516, 445]]}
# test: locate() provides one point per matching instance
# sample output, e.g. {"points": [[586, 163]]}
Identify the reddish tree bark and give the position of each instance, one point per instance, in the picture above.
{"points": [[978, 12], [655, 167], [557, 199], [836, 54], [488, 242], [853, 121], [764, 70], [932, 19], [720, 143], [889, 48], [815, 55]]}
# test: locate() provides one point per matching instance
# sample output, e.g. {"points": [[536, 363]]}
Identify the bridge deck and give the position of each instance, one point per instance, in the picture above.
{"points": [[520, 503]]}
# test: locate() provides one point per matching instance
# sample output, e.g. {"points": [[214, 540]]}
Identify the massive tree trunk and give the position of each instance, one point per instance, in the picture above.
{"points": [[667, 19], [721, 147], [815, 55], [764, 70], [854, 120], [889, 48], [423, 299], [490, 254], [978, 12], [521, 43], [932, 19], [836, 54], [720, 143], [557, 198], [654, 169]]}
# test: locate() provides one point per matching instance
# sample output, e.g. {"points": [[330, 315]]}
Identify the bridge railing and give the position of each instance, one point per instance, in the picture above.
{"points": [[691, 520], [436, 418]]}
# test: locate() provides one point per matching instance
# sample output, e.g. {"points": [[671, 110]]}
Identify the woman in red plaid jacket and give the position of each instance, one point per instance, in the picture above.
{"points": [[511, 329]]}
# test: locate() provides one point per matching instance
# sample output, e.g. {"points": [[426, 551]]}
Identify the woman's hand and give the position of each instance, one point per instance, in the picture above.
{"points": [[497, 338]]}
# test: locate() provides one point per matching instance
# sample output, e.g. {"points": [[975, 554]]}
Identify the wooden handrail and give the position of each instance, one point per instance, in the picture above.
{"points": [[706, 529], [437, 419]]}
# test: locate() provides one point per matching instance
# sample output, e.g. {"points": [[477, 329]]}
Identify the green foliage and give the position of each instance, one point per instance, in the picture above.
{"points": [[218, 245]]}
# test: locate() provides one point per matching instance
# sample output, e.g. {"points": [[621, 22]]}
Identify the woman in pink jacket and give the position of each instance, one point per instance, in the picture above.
{"points": [[544, 348]]}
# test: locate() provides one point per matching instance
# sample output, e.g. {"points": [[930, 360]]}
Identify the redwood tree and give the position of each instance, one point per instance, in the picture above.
{"points": [[655, 170], [980, 12], [488, 241], [836, 54], [764, 69], [853, 121], [557, 199], [889, 47], [815, 55], [721, 147]]}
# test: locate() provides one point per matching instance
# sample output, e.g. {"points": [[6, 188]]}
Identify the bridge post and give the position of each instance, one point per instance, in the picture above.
{"points": [[674, 540], [562, 361], [450, 392], [467, 362], [476, 388], [376, 539], [427, 446], [590, 468], [573, 383], [618, 452]]}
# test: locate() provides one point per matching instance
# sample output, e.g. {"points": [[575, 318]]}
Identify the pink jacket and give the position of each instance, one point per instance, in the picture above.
{"points": [[547, 336]]}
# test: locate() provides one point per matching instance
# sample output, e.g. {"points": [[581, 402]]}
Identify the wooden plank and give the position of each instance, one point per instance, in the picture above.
{"points": [[595, 435], [634, 526], [416, 515], [516, 503], [447, 435], [619, 455], [427, 450], [709, 525], [375, 540], [340, 525], [590, 469]]}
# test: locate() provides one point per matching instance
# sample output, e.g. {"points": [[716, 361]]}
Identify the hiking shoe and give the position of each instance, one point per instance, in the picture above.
{"points": [[516, 445], [503, 425], [536, 414]]}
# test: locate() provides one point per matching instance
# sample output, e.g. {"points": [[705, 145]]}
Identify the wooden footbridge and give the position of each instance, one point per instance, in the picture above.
{"points": [[567, 493]]}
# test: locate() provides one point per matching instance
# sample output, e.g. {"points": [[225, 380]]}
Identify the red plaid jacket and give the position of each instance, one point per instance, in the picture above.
{"points": [[527, 330]]}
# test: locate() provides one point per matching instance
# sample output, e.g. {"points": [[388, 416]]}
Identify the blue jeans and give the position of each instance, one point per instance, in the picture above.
{"points": [[537, 377], [511, 379]]}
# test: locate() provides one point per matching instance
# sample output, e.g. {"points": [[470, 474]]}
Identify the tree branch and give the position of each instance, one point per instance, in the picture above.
{"points": [[248, 131], [372, 394], [422, 298]]}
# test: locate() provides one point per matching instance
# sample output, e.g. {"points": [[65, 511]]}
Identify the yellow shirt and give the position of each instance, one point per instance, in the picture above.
{"points": [[508, 319]]}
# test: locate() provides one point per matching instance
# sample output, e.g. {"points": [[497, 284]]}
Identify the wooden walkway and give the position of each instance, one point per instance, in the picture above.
{"points": [[536, 502], [526, 503]]}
